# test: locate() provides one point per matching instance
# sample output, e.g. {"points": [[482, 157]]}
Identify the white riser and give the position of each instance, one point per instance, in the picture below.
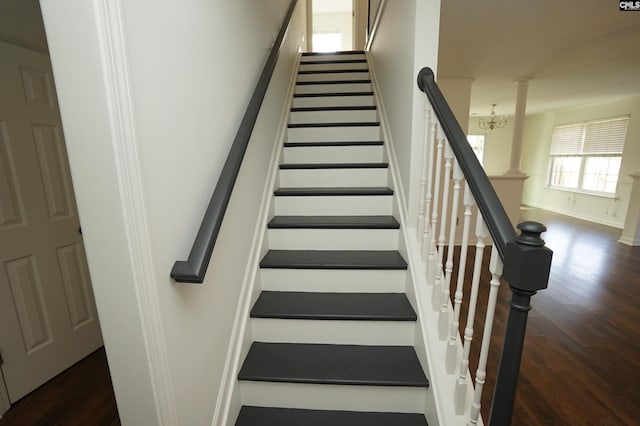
{"points": [[334, 134], [334, 280], [334, 76], [336, 397], [338, 116], [333, 177], [330, 57], [398, 333], [333, 154], [324, 88], [333, 239], [334, 205], [327, 101], [342, 66]]}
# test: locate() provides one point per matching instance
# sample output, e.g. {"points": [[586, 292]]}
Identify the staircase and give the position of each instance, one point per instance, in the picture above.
{"points": [[333, 330]]}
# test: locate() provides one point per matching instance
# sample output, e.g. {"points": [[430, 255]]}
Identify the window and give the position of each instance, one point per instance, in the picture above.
{"points": [[327, 40], [586, 157], [477, 145]]}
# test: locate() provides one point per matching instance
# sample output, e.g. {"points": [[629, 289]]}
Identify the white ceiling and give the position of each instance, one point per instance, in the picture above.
{"points": [[574, 52], [21, 24]]}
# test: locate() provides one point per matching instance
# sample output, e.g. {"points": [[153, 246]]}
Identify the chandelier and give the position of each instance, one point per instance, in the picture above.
{"points": [[493, 121]]}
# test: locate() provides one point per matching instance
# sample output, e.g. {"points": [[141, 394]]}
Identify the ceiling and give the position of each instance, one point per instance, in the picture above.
{"points": [[21, 24], [572, 52]]}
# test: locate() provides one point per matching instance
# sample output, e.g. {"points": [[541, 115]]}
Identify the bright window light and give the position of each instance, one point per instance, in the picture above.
{"points": [[327, 42], [477, 145]]}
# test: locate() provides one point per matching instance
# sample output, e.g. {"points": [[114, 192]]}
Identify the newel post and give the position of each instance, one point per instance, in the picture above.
{"points": [[527, 263]]}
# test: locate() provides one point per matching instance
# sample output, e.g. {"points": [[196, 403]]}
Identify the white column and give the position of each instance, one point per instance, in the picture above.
{"points": [[518, 128], [631, 232]]}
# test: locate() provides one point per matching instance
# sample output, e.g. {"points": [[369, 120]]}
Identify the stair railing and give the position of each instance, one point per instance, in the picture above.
{"points": [[194, 268], [451, 171]]}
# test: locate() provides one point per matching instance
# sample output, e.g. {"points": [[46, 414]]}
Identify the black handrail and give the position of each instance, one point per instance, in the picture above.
{"points": [[489, 204], [195, 267], [527, 261], [372, 26]]}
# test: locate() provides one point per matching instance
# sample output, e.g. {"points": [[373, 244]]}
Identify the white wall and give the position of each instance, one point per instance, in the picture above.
{"points": [[497, 146], [191, 68], [535, 159], [360, 11], [457, 92], [343, 22], [406, 40]]}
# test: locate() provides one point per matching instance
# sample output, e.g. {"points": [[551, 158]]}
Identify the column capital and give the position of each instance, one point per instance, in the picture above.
{"points": [[522, 81]]}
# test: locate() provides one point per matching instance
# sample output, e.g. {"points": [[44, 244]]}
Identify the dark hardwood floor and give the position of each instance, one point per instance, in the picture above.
{"points": [[581, 360], [80, 396]]}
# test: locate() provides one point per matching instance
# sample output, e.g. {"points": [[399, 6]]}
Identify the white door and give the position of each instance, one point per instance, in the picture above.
{"points": [[48, 318]]}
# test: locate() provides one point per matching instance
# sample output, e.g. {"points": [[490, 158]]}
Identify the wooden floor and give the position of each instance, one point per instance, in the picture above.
{"points": [[581, 362], [80, 396]]}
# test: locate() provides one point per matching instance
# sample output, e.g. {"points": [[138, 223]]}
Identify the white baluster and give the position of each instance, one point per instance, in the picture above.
{"points": [[461, 385], [495, 266], [423, 182], [444, 317], [452, 346], [431, 260], [433, 126], [438, 275]]}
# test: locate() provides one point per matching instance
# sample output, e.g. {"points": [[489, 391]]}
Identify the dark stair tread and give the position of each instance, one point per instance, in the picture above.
{"points": [[325, 94], [272, 416], [333, 306], [333, 191], [333, 259], [340, 124], [334, 61], [339, 52], [334, 222], [314, 83], [290, 166], [335, 108], [333, 364], [336, 143], [332, 71]]}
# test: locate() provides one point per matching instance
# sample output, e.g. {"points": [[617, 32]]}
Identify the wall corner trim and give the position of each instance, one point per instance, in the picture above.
{"points": [[112, 41]]}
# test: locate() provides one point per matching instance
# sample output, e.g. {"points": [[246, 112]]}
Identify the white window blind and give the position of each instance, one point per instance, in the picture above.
{"points": [[605, 137], [593, 137], [567, 140], [586, 157]]}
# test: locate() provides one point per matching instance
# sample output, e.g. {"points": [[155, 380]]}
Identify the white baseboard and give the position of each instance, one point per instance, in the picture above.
{"points": [[435, 408], [238, 340], [629, 241], [588, 218]]}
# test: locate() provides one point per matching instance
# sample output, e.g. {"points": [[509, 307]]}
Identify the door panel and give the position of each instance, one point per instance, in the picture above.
{"points": [[11, 209], [28, 300], [48, 319], [76, 284], [50, 152]]}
